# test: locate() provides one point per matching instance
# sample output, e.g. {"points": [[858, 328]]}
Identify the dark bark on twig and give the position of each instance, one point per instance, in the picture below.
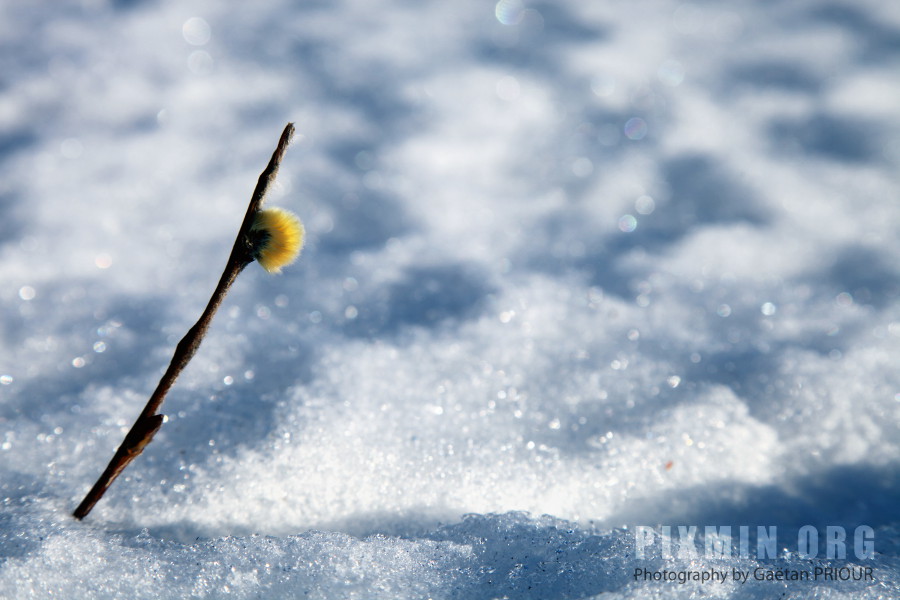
{"points": [[149, 421]]}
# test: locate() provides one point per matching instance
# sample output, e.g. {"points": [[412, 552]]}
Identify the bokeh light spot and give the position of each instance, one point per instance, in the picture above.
{"points": [[603, 85], [200, 62], [635, 128], [644, 205], [627, 223], [196, 31], [582, 166], [509, 12]]}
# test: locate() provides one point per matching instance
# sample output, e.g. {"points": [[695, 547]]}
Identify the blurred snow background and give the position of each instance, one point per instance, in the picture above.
{"points": [[572, 267]]}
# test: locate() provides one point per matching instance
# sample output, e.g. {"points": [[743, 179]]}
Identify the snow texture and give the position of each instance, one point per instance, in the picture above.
{"points": [[572, 268]]}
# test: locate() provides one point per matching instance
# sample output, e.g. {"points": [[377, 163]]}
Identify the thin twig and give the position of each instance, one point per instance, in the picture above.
{"points": [[149, 421]]}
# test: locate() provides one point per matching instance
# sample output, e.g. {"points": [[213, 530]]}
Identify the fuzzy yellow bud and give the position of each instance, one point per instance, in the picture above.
{"points": [[281, 241]]}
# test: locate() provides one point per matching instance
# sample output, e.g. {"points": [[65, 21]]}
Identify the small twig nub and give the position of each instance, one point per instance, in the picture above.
{"points": [[149, 421]]}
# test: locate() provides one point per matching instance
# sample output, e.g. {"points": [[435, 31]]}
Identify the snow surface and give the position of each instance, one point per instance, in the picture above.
{"points": [[573, 267]]}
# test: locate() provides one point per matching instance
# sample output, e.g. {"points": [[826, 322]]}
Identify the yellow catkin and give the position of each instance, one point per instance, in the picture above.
{"points": [[284, 241]]}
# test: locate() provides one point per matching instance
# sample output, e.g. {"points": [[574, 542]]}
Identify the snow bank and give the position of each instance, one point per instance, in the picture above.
{"points": [[573, 269]]}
